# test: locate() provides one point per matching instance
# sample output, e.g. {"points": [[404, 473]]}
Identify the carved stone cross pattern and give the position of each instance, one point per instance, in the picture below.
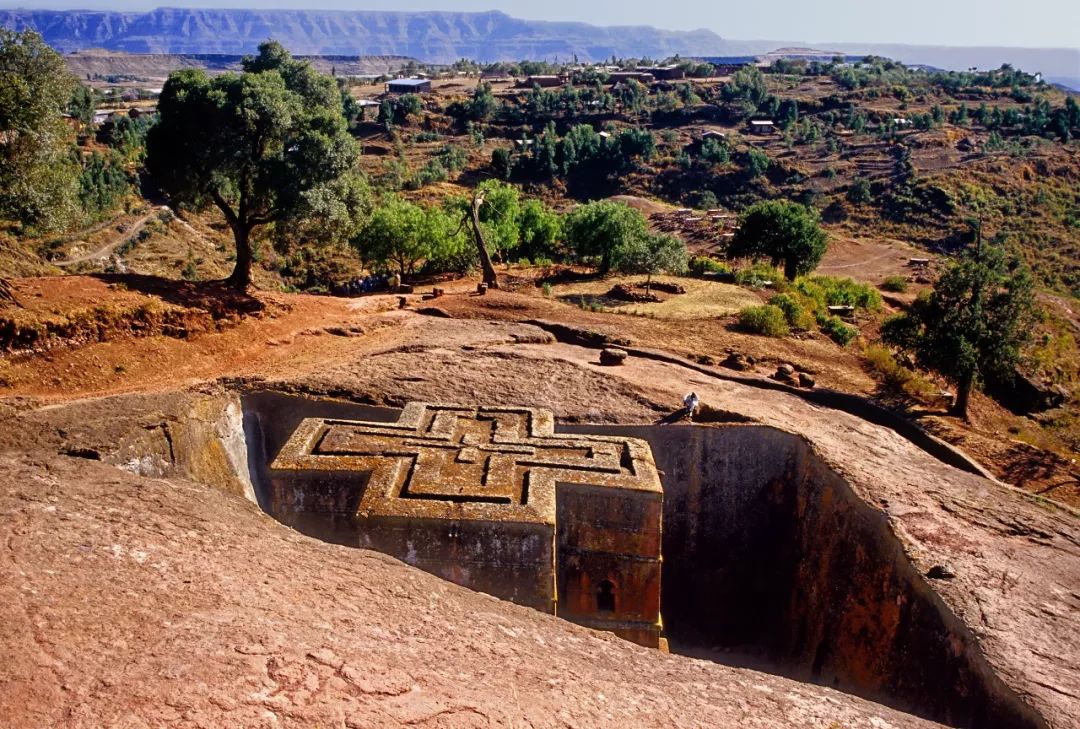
{"points": [[490, 463]]}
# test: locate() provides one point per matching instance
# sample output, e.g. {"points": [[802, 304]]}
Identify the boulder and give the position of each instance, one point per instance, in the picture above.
{"points": [[622, 292], [1027, 394], [738, 361], [612, 357], [786, 373], [941, 572], [806, 380]]}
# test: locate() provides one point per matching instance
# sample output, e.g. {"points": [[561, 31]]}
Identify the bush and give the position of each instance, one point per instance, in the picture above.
{"points": [[838, 331], [795, 311], [859, 192], [895, 376], [896, 284], [700, 265], [758, 275], [829, 291], [767, 320], [757, 162]]}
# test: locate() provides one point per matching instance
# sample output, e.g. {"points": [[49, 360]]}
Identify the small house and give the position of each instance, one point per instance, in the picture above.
{"points": [[713, 134], [664, 73], [409, 86], [762, 126], [544, 82], [640, 76]]}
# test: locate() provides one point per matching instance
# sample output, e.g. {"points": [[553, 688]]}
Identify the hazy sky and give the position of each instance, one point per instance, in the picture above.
{"points": [[1038, 23]]}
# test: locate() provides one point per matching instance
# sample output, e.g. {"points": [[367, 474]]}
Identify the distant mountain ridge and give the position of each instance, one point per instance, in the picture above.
{"points": [[444, 37], [437, 37]]}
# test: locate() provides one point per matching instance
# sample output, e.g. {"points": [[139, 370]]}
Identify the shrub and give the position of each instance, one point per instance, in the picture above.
{"points": [[896, 284], [546, 290], [829, 291], [757, 162], [794, 310], [702, 264], [838, 331], [859, 192], [895, 376], [758, 275], [767, 320]]}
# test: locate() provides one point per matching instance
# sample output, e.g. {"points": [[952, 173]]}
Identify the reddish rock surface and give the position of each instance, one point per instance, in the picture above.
{"points": [[154, 600], [142, 602]]}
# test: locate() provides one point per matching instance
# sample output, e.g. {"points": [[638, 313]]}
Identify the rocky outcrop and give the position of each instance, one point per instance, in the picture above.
{"points": [[133, 600]]}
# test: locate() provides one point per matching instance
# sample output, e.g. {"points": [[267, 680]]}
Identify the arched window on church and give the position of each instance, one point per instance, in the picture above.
{"points": [[605, 597]]}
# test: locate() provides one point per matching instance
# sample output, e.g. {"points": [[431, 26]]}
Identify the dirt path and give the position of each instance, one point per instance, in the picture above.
{"points": [[113, 245]]}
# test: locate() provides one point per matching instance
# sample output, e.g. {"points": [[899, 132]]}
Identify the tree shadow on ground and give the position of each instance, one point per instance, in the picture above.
{"points": [[214, 297]]}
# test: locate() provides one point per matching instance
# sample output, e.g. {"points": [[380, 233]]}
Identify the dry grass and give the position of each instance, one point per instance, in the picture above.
{"points": [[702, 300]]}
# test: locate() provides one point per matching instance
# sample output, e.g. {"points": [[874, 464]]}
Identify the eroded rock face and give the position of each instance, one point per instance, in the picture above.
{"points": [[1013, 562], [768, 552], [135, 601]]}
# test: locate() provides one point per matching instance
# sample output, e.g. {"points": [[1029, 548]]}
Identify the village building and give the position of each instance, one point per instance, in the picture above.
{"points": [[544, 81], [762, 126], [409, 86], [616, 77], [664, 73], [493, 499]]}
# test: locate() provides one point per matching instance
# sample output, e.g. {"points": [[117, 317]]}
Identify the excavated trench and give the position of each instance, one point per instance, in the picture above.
{"points": [[770, 561]]}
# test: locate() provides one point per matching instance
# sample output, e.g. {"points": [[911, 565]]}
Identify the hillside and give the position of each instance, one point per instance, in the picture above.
{"points": [[122, 66]]}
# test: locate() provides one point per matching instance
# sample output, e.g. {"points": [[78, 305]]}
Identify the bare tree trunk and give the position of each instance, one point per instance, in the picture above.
{"points": [[240, 278], [963, 396], [490, 277]]}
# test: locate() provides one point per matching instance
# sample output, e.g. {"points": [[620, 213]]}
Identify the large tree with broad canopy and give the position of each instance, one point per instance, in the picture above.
{"points": [[260, 145]]}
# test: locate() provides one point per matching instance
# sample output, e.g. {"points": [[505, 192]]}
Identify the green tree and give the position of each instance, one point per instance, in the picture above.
{"points": [[402, 234], [540, 230], [973, 325], [651, 254], [502, 163], [757, 162], [127, 135], [254, 144], [783, 232], [38, 178], [103, 184], [859, 192], [482, 104], [747, 84], [597, 230], [81, 104], [499, 216], [789, 113], [715, 151]]}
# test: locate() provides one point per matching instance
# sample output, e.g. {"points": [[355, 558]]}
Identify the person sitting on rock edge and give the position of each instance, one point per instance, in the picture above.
{"points": [[691, 402]]}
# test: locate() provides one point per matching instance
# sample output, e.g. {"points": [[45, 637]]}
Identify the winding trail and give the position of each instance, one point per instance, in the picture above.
{"points": [[110, 247]]}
